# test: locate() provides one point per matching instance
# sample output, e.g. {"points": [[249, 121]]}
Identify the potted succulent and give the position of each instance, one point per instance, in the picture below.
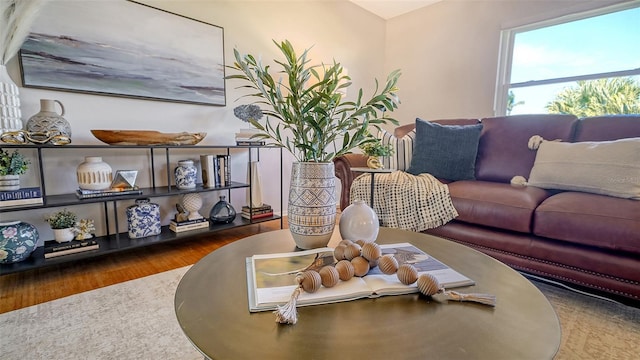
{"points": [[63, 224], [12, 165], [316, 124], [375, 150]]}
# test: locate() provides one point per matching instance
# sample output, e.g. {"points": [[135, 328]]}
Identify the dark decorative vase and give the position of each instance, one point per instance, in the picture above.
{"points": [[222, 212], [17, 241]]}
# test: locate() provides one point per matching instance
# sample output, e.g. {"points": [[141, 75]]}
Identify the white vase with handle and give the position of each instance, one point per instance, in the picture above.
{"points": [[48, 119]]}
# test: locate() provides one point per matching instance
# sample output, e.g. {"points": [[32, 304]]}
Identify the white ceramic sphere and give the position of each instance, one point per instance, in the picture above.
{"points": [[358, 221]]}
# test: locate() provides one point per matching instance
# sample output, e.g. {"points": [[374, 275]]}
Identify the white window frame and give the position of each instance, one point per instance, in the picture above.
{"points": [[505, 56]]}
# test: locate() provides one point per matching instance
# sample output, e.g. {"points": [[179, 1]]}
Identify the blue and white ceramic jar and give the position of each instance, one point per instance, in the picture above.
{"points": [[17, 241], [143, 219], [185, 174]]}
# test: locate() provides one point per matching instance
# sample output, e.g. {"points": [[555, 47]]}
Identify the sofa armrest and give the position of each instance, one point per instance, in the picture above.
{"points": [[343, 165]]}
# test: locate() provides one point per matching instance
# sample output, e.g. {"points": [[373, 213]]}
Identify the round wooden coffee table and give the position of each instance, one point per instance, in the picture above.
{"points": [[212, 308]]}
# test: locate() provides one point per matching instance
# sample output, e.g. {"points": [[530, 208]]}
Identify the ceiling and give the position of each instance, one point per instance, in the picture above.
{"points": [[387, 9]]}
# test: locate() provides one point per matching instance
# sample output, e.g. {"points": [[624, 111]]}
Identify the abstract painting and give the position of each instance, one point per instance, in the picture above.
{"points": [[123, 48]]}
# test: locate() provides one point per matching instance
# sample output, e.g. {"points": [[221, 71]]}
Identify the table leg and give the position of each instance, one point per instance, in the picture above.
{"points": [[372, 188]]}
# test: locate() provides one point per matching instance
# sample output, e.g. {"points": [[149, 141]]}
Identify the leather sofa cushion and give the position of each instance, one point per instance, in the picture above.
{"points": [[600, 128], [497, 205], [590, 219], [503, 150]]}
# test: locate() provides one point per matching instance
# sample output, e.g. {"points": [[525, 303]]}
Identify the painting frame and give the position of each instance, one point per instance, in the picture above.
{"points": [[141, 52]]}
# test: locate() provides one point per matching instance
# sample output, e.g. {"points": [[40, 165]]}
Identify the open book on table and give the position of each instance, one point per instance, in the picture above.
{"points": [[271, 277]]}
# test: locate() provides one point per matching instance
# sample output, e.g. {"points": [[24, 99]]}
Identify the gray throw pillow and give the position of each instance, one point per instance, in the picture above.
{"points": [[445, 151]]}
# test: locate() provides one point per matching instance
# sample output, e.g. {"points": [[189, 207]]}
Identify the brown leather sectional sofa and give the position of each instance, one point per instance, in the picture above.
{"points": [[581, 238]]}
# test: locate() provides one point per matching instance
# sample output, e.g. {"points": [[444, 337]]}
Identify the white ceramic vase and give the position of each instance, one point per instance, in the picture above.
{"points": [[10, 114], [48, 119], [359, 221], [94, 174], [64, 235], [312, 204], [9, 182], [254, 193]]}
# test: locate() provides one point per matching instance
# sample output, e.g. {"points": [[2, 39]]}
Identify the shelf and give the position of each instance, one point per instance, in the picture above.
{"points": [[121, 242], [116, 242]]}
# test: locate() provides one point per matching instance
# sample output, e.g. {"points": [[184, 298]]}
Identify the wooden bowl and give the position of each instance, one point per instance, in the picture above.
{"points": [[147, 137]]}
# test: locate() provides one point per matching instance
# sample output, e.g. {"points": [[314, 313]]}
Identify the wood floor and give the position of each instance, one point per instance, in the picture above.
{"points": [[37, 286]]}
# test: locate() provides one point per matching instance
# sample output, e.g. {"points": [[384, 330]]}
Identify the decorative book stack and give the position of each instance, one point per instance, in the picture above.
{"points": [[54, 249], [257, 212], [188, 225], [87, 194], [24, 196], [244, 138]]}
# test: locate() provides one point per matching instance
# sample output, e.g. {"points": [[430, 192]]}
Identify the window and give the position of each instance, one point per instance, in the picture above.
{"points": [[557, 64]]}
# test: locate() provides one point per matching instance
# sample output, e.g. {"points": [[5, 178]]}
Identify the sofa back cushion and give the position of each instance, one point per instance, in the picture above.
{"points": [[445, 151], [503, 152], [606, 128]]}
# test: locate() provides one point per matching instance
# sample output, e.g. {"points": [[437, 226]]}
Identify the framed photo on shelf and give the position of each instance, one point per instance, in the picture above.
{"points": [[124, 48]]}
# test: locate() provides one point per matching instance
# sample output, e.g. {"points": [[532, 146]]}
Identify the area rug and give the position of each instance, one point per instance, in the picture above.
{"points": [[136, 320]]}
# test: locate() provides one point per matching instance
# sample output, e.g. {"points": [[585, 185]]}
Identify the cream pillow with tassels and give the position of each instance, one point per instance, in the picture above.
{"points": [[604, 167]]}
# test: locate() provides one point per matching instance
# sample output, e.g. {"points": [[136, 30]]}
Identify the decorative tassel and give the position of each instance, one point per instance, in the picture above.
{"points": [[486, 299], [429, 285], [288, 313]]}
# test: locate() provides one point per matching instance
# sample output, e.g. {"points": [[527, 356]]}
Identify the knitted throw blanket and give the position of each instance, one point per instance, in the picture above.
{"points": [[406, 201]]}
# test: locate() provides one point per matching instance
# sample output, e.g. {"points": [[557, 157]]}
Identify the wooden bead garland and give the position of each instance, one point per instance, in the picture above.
{"points": [[356, 259]]}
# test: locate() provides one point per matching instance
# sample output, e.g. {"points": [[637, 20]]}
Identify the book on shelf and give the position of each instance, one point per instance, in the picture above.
{"points": [[254, 209], [247, 142], [257, 212], [257, 216], [271, 277], [188, 222], [224, 172], [22, 193], [21, 202], [88, 194], [189, 227], [54, 249]]}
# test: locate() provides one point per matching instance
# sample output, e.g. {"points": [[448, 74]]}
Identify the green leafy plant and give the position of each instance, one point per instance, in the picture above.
{"points": [[375, 148], [315, 122], [13, 163], [62, 219]]}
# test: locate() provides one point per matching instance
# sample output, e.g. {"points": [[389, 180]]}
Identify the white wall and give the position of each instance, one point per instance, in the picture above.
{"points": [[448, 52], [337, 30]]}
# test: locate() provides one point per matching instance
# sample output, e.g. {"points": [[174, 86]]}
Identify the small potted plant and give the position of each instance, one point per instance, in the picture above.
{"points": [[375, 150], [63, 224], [12, 165]]}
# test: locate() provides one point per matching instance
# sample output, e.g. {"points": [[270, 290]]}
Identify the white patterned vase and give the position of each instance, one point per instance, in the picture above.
{"points": [[358, 221], [48, 120], [9, 182], [143, 219], [185, 174], [94, 174], [312, 204], [10, 114]]}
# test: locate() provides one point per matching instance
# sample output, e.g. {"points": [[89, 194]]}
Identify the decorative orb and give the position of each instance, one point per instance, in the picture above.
{"points": [[428, 284], [359, 222], [329, 276], [388, 264], [407, 274], [309, 280], [345, 269], [360, 266]]}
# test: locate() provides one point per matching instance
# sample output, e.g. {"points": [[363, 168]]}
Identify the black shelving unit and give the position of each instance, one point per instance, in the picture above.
{"points": [[120, 241]]}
